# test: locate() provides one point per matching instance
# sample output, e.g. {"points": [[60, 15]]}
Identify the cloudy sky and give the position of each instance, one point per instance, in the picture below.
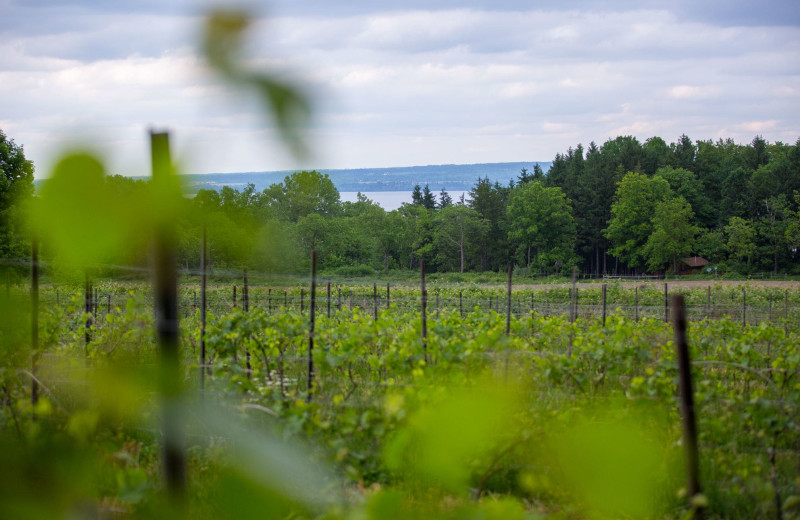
{"points": [[398, 83]]}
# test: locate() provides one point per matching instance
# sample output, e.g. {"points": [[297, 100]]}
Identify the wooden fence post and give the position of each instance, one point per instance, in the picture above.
{"points": [[636, 304], [303, 299], [340, 299], [388, 295], [666, 302], [311, 326], [375, 301], [329, 298], [687, 400], [460, 304], [234, 297]]}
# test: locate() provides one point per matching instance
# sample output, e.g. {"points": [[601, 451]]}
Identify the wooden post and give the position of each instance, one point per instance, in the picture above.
{"points": [[387, 295], [285, 299], [203, 306], [303, 299], [636, 304], [108, 303], [744, 307], [604, 305], [666, 302], [687, 400], [460, 304], [532, 312], [166, 303], [95, 302], [490, 302], [508, 303], [34, 317], [708, 303], [340, 299], [424, 311], [375, 301], [194, 300], [311, 326], [234, 296], [437, 304], [269, 301], [329, 298], [573, 306], [58, 298]]}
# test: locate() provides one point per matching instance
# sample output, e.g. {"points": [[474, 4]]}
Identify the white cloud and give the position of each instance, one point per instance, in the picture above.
{"points": [[472, 85]]}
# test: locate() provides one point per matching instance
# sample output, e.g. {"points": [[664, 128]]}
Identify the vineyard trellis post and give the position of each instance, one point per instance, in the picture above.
{"points": [[269, 301], [708, 303], [234, 297], [203, 304], [573, 296], [339, 303], [328, 291], [302, 300], [604, 305], [508, 302], [460, 304], [387, 296], [687, 401], [311, 326], [636, 304], [666, 302], [744, 307], [166, 303], [34, 318], [375, 301]]}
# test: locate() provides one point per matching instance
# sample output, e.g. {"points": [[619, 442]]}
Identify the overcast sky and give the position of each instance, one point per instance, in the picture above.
{"points": [[399, 83]]}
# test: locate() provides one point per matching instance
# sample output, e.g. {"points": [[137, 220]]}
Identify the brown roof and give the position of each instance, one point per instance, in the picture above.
{"points": [[696, 261]]}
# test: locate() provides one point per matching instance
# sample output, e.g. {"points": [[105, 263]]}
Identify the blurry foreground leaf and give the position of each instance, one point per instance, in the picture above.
{"points": [[616, 464], [222, 44], [440, 441]]}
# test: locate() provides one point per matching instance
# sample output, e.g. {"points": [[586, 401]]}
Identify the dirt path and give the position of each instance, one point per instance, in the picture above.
{"points": [[777, 284]]}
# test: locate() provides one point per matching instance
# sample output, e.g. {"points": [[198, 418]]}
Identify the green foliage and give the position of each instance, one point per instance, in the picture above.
{"points": [[673, 234], [542, 226], [631, 223], [16, 191]]}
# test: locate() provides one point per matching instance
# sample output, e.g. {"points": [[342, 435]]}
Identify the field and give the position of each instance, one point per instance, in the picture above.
{"points": [[554, 412]]}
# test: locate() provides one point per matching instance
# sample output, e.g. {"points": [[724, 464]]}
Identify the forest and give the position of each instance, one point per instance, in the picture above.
{"points": [[621, 208]]}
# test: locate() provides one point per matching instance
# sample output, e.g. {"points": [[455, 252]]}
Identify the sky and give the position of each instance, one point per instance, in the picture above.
{"points": [[393, 83]]}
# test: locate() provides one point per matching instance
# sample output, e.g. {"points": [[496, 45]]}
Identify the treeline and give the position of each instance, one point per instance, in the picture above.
{"points": [[621, 207], [624, 206]]}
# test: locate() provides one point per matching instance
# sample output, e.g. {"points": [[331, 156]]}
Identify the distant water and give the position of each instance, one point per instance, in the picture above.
{"points": [[390, 200]]}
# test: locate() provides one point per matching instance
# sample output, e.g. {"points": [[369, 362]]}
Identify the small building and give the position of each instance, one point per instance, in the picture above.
{"points": [[693, 264]]}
